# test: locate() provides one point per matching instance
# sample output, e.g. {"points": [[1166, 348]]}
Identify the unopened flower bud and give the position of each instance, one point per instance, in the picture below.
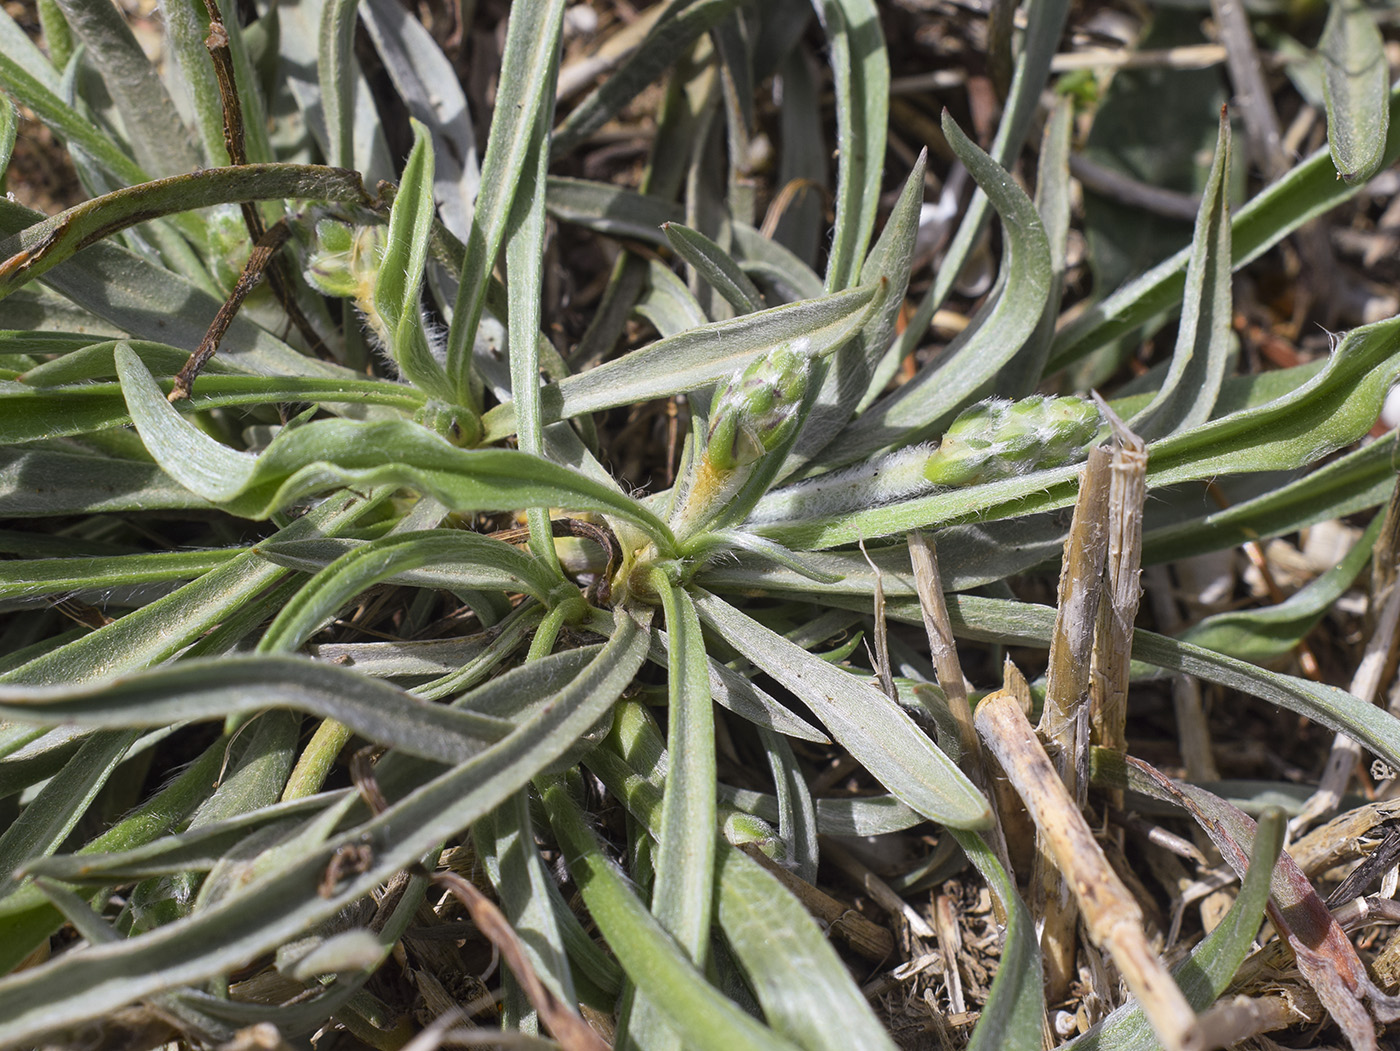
{"points": [[345, 263], [756, 410], [999, 438]]}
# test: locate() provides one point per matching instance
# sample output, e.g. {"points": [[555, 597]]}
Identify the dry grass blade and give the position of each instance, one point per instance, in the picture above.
{"points": [[1112, 916], [565, 1023]]}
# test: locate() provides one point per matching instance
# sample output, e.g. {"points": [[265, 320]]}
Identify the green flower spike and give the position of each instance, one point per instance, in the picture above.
{"points": [[756, 410], [753, 413], [999, 438]]}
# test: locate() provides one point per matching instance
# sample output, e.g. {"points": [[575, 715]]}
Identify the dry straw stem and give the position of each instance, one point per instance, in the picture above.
{"points": [[1373, 673], [1113, 640], [1112, 916], [928, 582], [1064, 719]]}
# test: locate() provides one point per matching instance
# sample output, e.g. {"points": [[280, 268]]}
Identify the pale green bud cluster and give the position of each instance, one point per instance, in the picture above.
{"points": [[756, 410], [345, 263], [999, 438]]}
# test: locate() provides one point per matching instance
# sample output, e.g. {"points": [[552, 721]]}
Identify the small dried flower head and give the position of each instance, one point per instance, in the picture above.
{"points": [[755, 411], [999, 438]]}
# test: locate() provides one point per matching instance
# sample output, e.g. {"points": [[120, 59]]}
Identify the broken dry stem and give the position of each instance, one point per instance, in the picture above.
{"points": [[1112, 916], [1064, 720], [1113, 640]]}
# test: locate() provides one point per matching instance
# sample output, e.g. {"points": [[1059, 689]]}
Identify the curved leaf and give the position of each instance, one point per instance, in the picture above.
{"points": [[918, 408], [1357, 76], [302, 461]]}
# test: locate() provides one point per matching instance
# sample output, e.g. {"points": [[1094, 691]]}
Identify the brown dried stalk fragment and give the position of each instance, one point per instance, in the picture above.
{"points": [[1064, 721], [279, 277], [1112, 916], [1113, 641], [563, 1021], [923, 556], [274, 238]]}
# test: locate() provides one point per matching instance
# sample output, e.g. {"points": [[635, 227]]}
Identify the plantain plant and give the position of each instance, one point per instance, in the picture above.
{"points": [[321, 589]]}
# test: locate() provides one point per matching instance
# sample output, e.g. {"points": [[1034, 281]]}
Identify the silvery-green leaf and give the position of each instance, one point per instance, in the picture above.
{"points": [[866, 722], [1205, 338], [153, 127], [1357, 77], [428, 85]]}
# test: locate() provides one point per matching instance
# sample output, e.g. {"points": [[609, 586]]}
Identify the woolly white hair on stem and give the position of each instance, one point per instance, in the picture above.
{"points": [[885, 480]]}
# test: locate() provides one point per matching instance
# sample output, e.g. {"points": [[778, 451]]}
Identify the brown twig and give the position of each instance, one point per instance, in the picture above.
{"points": [[1064, 721], [271, 240], [278, 276], [561, 1019]]}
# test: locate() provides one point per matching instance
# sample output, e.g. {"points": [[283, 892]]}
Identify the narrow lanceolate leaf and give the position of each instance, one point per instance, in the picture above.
{"points": [[396, 289], [45, 822], [42, 96], [524, 286], [1307, 191], [9, 125], [235, 685], [337, 78], [26, 578], [651, 959], [716, 266], [861, 370], [863, 720], [803, 987], [532, 43], [332, 454], [498, 567], [699, 357], [685, 856], [436, 558], [1015, 1007], [149, 117], [861, 70], [35, 413], [919, 407], [1262, 634], [428, 85], [1355, 85], [270, 911], [161, 629], [1204, 339]]}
